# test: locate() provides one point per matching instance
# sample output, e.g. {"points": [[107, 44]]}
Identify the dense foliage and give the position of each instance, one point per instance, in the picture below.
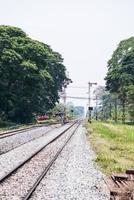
{"points": [[76, 111], [71, 110], [118, 100], [120, 76], [31, 76]]}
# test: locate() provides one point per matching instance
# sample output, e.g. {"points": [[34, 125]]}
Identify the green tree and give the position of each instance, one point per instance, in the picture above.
{"points": [[130, 96], [31, 76], [120, 72]]}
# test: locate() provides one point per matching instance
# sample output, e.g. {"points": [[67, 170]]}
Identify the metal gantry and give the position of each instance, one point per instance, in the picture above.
{"points": [[64, 96]]}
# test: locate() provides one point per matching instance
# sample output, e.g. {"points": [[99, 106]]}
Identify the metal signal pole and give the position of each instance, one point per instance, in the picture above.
{"points": [[66, 83], [64, 100], [89, 100], [96, 108]]}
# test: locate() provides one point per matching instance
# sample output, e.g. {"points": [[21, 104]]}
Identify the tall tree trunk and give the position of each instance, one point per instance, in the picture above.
{"points": [[96, 109], [123, 111], [115, 110], [110, 110]]}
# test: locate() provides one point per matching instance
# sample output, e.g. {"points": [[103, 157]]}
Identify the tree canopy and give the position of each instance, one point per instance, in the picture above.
{"points": [[31, 75], [120, 76]]}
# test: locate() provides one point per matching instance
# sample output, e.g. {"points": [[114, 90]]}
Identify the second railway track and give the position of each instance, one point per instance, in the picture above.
{"points": [[31, 171], [17, 131], [9, 143]]}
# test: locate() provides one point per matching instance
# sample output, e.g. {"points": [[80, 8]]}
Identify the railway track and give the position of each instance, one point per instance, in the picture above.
{"points": [[22, 130], [30, 192], [44, 158], [9, 144]]}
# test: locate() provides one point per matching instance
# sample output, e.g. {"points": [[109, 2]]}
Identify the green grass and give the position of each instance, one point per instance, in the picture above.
{"points": [[114, 146]]}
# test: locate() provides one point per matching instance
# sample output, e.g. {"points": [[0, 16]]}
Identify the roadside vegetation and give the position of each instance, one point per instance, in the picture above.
{"points": [[112, 134], [31, 76], [115, 101], [113, 144]]}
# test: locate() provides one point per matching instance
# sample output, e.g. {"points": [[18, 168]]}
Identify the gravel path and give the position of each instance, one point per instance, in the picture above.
{"points": [[74, 176], [13, 158], [17, 186], [13, 141]]}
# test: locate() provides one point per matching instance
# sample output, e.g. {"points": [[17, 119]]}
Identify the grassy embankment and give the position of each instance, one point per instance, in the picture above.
{"points": [[114, 146]]}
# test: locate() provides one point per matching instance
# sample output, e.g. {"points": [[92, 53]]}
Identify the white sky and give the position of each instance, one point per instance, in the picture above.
{"points": [[85, 32]]}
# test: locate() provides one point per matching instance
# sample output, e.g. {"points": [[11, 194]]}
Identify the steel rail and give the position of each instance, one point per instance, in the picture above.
{"points": [[33, 188], [1, 153], [15, 132], [4, 177]]}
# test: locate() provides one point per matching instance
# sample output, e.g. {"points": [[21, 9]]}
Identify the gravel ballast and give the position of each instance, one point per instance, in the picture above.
{"points": [[74, 175], [15, 140], [13, 158], [17, 186]]}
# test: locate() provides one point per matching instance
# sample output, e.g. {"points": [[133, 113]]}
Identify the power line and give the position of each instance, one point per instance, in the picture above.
{"points": [[82, 87], [85, 98], [72, 97]]}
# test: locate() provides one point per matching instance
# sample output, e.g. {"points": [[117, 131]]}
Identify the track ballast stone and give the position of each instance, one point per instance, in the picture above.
{"points": [[13, 158], [74, 175], [17, 186], [8, 143]]}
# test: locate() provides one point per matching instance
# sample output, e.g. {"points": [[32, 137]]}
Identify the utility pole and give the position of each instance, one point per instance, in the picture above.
{"points": [[66, 83], [89, 100], [96, 108], [64, 101]]}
